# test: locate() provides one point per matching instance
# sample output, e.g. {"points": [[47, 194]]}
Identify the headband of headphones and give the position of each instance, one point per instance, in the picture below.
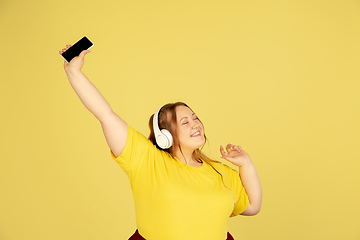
{"points": [[163, 137]]}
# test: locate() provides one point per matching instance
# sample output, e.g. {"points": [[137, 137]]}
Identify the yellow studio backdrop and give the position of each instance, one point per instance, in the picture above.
{"points": [[279, 78]]}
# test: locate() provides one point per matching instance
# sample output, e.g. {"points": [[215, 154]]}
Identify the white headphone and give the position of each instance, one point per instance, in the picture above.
{"points": [[163, 137]]}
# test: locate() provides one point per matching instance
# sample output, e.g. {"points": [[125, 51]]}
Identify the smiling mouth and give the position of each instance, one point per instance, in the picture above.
{"points": [[195, 134]]}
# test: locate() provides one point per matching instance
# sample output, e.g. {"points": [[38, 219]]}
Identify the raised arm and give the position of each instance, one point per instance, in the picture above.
{"points": [[114, 128], [248, 175]]}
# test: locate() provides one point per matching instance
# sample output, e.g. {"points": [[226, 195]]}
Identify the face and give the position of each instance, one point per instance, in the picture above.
{"points": [[189, 129]]}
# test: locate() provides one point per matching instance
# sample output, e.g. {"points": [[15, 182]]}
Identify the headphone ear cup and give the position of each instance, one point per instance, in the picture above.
{"points": [[169, 137], [162, 141]]}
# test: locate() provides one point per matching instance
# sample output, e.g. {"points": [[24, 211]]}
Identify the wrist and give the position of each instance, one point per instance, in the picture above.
{"points": [[72, 71], [245, 163]]}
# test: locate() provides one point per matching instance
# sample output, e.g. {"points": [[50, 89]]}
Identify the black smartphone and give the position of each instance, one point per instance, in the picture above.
{"points": [[77, 48]]}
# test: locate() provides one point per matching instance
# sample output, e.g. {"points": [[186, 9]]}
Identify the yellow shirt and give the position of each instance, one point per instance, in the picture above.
{"points": [[176, 201]]}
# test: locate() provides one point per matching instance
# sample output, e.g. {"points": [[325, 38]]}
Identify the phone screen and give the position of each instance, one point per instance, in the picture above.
{"points": [[77, 48]]}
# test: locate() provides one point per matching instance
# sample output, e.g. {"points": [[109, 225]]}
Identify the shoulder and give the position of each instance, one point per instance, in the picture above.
{"points": [[136, 144], [135, 137]]}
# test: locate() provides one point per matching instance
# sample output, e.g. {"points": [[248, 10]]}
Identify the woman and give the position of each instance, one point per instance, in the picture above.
{"points": [[179, 193]]}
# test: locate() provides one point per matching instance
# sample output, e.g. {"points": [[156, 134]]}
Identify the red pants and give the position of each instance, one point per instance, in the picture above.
{"points": [[137, 236]]}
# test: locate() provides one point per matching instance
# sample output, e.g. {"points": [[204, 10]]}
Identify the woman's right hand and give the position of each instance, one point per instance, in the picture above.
{"points": [[76, 63]]}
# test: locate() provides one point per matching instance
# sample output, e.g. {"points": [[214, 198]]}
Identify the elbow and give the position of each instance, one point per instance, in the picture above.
{"points": [[255, 212], [251, 210], [251, 213]]}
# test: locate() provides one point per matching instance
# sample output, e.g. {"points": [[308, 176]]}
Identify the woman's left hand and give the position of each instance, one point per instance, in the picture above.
{"points": [[234, 154]]}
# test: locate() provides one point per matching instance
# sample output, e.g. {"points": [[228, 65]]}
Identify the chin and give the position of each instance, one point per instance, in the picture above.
{"points": [[200, 145]]}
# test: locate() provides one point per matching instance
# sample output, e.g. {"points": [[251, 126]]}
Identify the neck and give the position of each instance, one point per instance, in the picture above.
{"points": [[186, 156]]}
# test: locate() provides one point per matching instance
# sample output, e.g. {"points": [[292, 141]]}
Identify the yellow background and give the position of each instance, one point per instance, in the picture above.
{"points": [[279, 78]]}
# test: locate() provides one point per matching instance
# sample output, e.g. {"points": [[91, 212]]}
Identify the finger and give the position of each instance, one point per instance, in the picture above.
{"points": [[238, 148], [222, 151], [64, 49], [83, 53], [229, 147]]}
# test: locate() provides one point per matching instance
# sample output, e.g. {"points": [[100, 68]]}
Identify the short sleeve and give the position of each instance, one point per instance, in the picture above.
{"points": [[136, 151], [241, 199]]}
